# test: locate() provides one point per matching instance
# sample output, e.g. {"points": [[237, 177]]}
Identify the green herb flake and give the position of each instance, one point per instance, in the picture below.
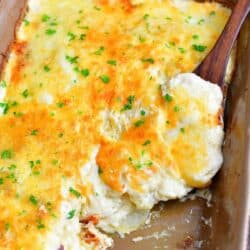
{"points": [[7, 226], [146, 16], [25, 93], [34, 132], [1, 181], [3, 84], [26, 22], [199, 47], [100, 171], [195, 37], [147, 142], [82, 37], [105, 79], [40, 225], [50, 32], [60, 104], [168, 98], [71, 36], [112, 62], [148, 60], [99, 51], [33, 200], [5, 107], [71, 214], [18, 114], [177, 109], [201, 21], [97, 8], [182, 130], [71, 59], [60, 135], [85, 72], [45, 18], [139, 123], [212, 13], [143, 113], [6, 154], [129, 104], [12, 167], [32, 164], [46, 68], [74, 192], [182, 50]]}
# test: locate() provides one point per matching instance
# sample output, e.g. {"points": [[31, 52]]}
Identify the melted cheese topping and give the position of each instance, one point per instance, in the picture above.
{"points": [[92, 74]]}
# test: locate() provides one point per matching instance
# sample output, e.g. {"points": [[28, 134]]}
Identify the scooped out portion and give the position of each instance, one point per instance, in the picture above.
{"points": [[99, 121]]}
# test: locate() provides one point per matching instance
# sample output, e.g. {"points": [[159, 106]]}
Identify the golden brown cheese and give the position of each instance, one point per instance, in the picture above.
{"points": [[71, 61]]}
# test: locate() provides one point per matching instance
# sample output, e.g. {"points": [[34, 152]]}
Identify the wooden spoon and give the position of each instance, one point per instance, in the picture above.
{"points": [[214, 65]]}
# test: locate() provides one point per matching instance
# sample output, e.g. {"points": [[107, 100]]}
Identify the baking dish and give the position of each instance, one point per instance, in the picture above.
{"points": [[191, 224]]}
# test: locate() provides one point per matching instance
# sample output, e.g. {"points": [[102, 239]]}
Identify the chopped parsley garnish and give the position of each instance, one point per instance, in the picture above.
{"points": [[145, 164], [34, 132], [177, 108], [71, 214], [170, 44], [199, 47], [32, 164], [168, 98], [139, 123], [25, 93], [1, 181], [60, 135], [201, 21], [99, 51], [182, 50], [6, 154], [147, 142], [7, 226], [105, 79], [5, 107], [146, 16], [97, 8], [50, 32], [148, 60], [60, 104], [112, 62], [12, 167], [100, 171], [82, 37], [74, 192], [26, 22], [182, 130], [46, 68], [18, 114], [129, 104], [71, 36], [195, 37], [212, 13], [85, 72], [143, 113], [3, 84], [45, 18], [142, 39], [33, 200], [40, 225], [71, 59]]}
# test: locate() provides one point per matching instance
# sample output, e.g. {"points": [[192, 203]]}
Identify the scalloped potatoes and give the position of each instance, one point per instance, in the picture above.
{"points": [[93, 131]]}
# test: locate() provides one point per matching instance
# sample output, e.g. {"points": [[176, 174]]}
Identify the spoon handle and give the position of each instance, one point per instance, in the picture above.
{"points": [[214, 65]]}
